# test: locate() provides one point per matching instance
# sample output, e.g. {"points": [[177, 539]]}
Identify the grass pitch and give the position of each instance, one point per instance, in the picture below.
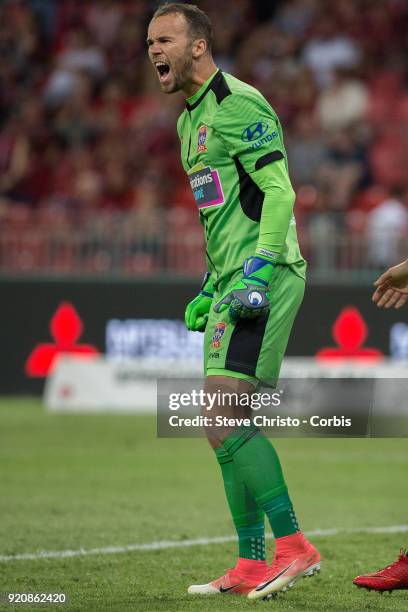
{"points": [[82, 481]]}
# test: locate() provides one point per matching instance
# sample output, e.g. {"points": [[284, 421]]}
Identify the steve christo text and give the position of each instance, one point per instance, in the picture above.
{"points": [[259, 420]]}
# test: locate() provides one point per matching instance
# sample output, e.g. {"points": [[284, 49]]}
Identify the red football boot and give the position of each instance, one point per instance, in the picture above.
{"points": [[299, 560], [236, 581], [392, 577]]}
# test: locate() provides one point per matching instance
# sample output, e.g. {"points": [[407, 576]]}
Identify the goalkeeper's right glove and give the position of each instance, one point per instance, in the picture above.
{"points": [[249, 297], [196, 315]]}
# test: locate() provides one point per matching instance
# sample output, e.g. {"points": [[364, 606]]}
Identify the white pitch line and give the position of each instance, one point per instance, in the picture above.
{"points": [[164, 544]]}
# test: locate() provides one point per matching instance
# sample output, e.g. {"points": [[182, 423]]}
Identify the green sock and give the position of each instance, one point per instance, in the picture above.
{"points": [[281, 516], [247, 515], [258, 465], [251, 541]]}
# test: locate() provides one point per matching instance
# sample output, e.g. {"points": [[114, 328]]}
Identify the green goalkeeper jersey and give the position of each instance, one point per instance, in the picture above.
{"points": [[232, 150]]}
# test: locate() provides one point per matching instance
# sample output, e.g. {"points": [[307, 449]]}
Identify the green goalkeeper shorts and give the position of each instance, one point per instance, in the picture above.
{"points": [[253, 349]]}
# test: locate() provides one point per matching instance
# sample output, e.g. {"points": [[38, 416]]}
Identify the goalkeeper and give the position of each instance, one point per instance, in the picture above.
{"points": [[233, 153]]}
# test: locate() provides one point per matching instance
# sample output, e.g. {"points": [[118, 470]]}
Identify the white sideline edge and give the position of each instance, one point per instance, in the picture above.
{"points": [[164, 544]]}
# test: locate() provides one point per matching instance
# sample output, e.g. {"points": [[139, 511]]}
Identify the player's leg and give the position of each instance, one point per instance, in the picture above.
{"points": [[294, 555], [253, 481], [258, 465], [256, 348], [247, 516]]}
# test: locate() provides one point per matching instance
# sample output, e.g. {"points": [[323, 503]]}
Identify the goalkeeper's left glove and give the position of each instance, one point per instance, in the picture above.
{"points": [[249, 298], [196, 314]]}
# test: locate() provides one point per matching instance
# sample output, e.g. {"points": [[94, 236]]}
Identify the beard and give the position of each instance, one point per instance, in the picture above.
{"points": [[182, 72]]}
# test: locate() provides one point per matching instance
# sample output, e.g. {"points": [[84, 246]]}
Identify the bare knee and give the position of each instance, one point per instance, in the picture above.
{"points": [[224, 405]]}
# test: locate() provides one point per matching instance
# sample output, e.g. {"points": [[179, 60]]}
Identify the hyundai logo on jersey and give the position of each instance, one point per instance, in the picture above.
{"points": [[254, 131]]}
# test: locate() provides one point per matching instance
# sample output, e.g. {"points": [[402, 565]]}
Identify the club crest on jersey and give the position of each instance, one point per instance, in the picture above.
{"points": [[219, 331], [202, 137]]}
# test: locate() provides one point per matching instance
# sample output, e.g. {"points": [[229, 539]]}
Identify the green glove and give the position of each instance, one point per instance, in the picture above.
{"points": [[196, 315], [249, 297]]}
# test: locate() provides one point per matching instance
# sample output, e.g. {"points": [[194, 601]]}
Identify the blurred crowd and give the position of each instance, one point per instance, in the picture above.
{"points": [[86, 133]]}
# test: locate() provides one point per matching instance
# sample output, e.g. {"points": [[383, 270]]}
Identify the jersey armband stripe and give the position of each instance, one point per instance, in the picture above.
{"points": [[268, 159]]}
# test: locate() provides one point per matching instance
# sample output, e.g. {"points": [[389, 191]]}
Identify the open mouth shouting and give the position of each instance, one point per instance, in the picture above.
{"points": [[163, 71]]}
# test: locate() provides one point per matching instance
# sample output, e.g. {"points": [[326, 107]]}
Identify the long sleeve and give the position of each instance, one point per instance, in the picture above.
{"points": [[277, 209], [252, 134]]}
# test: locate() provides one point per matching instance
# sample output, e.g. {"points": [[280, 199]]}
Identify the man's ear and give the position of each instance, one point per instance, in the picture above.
{"points": [[199, 48]]}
